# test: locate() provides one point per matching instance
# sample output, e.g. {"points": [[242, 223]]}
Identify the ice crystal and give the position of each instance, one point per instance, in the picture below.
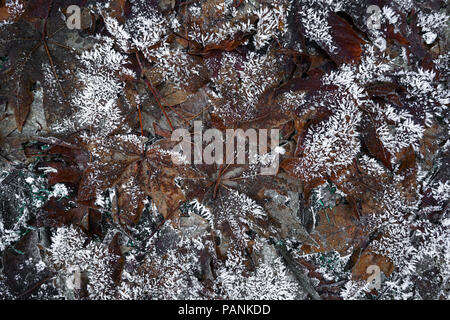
{"points": [[333, 145], [68, 252], [270, 281], [96, 104], [272, 22]]}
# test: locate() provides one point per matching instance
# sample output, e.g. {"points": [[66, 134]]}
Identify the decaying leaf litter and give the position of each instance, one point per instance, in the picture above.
{"points": [[92, 206]]}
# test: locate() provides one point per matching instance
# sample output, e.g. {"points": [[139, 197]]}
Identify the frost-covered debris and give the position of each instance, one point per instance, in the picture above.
{"points": [[272, 22], [363, 128], [427, 94], [196, 207], [224, 31], [267, 282], [96, 104], [243, 84], [177, 67], [333, 145], [172, 267], [289, 101], [24, 195], [145, 29], [15, 8], [432, 24], [220, 23], [317, 27], [94, 261]]}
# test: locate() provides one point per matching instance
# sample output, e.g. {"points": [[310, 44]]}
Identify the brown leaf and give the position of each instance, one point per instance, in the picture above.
{"points": [[171, 96], [56, 214], [162, 189], [408, 162], [37, 9], [225, 45], [99, 176], [21, 99], [299, 84], [408, 169], [346, 39], [6, 14], [27, 63], [94, 222], [117, 9], [290, 165], [356, 206], [392, 35], [386, 91], [366, 259], [338, 229], [374, 145], [136, 175], [309, 185], [131, 202], [160, 131], [19, 266], [53, 215], [68, 174], [118, 261]]}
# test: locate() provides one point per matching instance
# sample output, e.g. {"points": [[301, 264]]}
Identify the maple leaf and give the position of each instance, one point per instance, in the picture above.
{"points": [[231, 198], [123, 161], [34, 50]]}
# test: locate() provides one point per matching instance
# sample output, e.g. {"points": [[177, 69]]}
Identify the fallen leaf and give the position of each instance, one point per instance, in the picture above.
{"points": [[373, 143], [348, 42]]}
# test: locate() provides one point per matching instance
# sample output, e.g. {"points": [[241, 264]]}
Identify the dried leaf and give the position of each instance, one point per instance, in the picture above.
{"points": [[337, 229], [366, 259], [21, 100], [374, 145], [346, 39], [68, 174], [118, 261]]}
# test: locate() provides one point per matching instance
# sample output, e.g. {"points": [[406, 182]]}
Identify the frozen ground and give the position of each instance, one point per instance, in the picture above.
{"points": [[93, 207]]}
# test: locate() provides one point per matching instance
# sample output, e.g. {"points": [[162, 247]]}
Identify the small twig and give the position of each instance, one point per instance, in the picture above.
{"points": [[54, 70], [159, 103], [198, 114], [179, 115], [60, 45], [34, 287], [187, 2], [149, 85], [219, 176], [295, 267], [5, 158], [140, 119]]}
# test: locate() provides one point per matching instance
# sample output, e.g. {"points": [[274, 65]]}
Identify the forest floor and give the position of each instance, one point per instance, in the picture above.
{"points": [[105, 105]]}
